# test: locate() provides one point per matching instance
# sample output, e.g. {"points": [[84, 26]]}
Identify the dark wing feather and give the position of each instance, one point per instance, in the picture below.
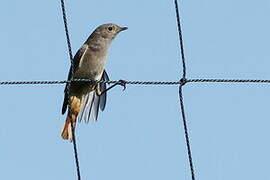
{"points": [[92, 102], [95, 107], [76, 60], [103, 97]]}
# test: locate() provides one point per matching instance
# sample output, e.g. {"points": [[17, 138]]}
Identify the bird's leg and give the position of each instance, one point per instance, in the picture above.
{"points": [[120, 82]]}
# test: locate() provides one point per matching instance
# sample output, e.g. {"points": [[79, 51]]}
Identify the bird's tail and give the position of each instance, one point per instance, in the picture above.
{"points": [[75, 104]]}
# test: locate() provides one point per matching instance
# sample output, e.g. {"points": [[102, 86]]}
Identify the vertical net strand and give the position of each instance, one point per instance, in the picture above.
{"points": [[68, 87], [183, 82]]}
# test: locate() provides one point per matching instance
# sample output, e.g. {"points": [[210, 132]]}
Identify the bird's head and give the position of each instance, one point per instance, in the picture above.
{"points": [[108, 31]]}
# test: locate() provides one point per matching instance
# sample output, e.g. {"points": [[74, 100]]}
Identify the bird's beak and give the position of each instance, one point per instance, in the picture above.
{"points": [[123, 28]]}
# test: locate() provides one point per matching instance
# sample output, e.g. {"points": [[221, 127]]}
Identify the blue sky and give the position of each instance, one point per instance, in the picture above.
{"points": [[140, 134]]}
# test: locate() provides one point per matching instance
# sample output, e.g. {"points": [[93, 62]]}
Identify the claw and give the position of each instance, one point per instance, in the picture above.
{"points": [[122, 83]]}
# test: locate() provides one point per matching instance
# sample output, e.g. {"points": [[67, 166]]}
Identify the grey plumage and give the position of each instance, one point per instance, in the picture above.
{"points": [[89, 62]]}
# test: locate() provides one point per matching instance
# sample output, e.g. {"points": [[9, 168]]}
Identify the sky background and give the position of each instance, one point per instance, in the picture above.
{"points": [[140, 134]]}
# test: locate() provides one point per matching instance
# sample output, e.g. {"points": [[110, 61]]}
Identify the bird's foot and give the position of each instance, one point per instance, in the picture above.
{"points": [[122, 83]]}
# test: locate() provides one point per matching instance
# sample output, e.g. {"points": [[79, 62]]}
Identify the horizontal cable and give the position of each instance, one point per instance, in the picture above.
{"points": [[87, 80], [230, 80], [139, 82]]}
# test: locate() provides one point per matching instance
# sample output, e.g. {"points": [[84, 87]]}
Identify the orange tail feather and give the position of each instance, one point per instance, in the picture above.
{"points": [[75, 104]]}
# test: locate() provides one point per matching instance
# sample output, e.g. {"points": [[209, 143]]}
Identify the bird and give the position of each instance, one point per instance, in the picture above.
{"points": [[84, 99]]}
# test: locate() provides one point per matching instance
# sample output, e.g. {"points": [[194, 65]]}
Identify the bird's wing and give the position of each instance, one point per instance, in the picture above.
{"points": [[92, 102], [77, 61], [103, 96]]}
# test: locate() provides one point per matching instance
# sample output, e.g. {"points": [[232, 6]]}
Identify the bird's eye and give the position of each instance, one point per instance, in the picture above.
{"points": [[110, 28]]}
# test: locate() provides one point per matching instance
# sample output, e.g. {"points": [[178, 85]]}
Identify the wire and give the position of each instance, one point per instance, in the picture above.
{"points": [[180, 39], [229, 80], [186, 132], [164, 83], [183, 82], [90, 81], [68, 86]]}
